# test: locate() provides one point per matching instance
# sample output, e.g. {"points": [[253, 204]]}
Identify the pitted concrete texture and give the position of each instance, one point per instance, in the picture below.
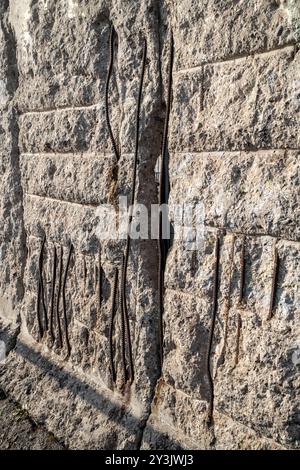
{"points": [[233, 153], [19, 432]]}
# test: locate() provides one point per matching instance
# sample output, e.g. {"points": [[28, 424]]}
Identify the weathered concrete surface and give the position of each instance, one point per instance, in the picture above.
{"points": [[233, 152], [240, 28], [179, 423], [62, 57], [206, 118], [12, 242], [19, 432], [253, 192], [234, 142]]}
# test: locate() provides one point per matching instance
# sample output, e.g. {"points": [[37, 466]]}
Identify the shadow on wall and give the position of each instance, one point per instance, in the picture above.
{"points": [[92, 397]]}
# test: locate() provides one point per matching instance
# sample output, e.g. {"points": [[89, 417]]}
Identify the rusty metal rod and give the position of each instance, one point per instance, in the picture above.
{"points": [[40, 325], [42, 285], [109, 72], [40, 296], [60, 339], [124, 309], [238, 336], [243, 273], [64, 300], [111, 329], [100, 282], [123, 325], [54, 259], [274, 283], [228, 300], [212, 328]]}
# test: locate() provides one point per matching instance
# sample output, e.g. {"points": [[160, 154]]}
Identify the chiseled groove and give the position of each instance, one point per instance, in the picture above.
{"points": [[59, 109], [238, 339], [253, 234], [197, 68], [96, 155], [242, 151], [62, 201], [162, 248], [228, 300], [105, 154]]}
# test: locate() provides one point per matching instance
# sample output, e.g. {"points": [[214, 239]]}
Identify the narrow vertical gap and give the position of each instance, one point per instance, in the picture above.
{"points": [[164, 244]]}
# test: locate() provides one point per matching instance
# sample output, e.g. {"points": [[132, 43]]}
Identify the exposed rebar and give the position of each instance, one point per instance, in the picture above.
{"points": [[243, 273], [54, 266], [212, 328], [124, 310], [64, 300], [60, 340], [274, 283], [109, 72], [112, 321]]}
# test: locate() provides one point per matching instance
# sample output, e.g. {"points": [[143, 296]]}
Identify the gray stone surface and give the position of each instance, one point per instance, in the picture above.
{"points": [[206, 118], [233, 153], [215, 30], [19, 432], [12, 238], [253, 192]]}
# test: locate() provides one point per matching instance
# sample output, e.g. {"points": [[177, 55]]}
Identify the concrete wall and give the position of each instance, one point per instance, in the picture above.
{"points": [[233, 151]]}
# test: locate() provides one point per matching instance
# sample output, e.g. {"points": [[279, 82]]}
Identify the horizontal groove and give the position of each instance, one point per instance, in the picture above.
{"points": [[62, 201], [198, 68], [102, 154], [94, 155], [61, 153], [105, 154], [176, 390], [60, 108], [251, 234], [225, 231], [181, 291], [246, 150]]}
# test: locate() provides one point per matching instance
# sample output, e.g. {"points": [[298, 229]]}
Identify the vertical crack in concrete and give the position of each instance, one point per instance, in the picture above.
{"points": [[162, 34]]}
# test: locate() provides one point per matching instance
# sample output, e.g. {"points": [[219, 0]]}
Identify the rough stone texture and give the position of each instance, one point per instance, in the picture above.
{"points": [[240, 28], [179, 423], [72, 178], [233, 152], [234, 140], [11, 219], [62, 57], [207, 118], [248, 192], [19, 432]]}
